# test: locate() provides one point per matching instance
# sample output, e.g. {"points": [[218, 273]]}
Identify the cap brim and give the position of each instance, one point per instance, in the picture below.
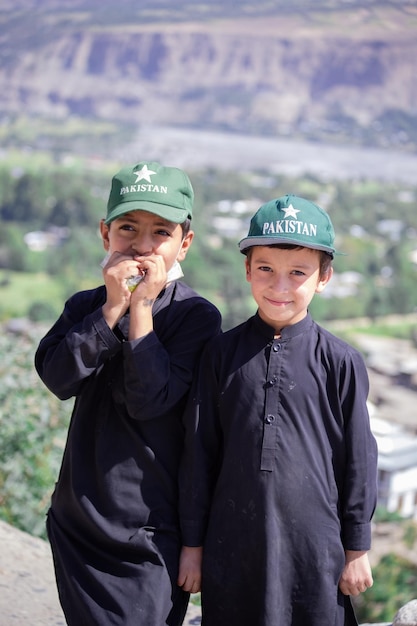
{"points": [[249, 242], [170, 213]]}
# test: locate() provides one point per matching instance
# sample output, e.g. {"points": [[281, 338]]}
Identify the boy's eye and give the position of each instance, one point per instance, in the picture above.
{"points": [[264, 268], [298, 273], [126, 227], [164, 233]]}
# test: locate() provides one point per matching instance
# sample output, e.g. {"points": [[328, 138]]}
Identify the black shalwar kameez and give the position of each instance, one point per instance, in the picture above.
{"points": [[113, 521], [279, 477]]}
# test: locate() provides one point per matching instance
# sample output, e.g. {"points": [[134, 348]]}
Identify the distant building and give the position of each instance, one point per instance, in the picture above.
{"points": [[391, 228], [40, 240], [343, 285], [397, 467]]}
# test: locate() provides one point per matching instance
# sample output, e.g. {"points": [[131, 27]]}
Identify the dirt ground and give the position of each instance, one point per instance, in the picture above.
{"points": [[27, 585]]}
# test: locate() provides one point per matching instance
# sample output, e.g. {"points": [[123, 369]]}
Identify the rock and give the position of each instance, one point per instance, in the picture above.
{"points": [[407, 615], [27, 584]]}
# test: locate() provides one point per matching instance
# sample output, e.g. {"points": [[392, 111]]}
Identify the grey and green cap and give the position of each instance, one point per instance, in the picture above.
{"points": [[149, 186], [290, 220]]}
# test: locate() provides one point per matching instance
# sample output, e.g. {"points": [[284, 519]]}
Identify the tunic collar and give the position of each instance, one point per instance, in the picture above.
{"points": [[287, 332]]}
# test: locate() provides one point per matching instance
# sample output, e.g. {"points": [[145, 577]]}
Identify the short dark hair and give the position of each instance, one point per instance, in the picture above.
{"points": [[325, 258], [185, 226]]}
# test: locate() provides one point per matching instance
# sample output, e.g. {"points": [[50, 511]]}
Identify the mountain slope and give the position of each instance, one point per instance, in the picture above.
{"points": [[347, 75]]}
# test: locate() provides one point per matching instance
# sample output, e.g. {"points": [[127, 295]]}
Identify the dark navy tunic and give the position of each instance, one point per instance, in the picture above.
{"points": [[113, 521], [279, 477]]}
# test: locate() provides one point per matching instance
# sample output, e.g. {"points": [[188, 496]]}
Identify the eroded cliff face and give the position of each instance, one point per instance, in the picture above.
{"points": [[259, 77]]}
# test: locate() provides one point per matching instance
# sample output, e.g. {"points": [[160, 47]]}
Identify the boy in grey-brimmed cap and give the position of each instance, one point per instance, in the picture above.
{"points": [[278, 482], [127, 351]]}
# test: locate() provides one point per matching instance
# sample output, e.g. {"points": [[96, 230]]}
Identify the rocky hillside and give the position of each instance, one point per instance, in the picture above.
{"points": [[346, 71]]}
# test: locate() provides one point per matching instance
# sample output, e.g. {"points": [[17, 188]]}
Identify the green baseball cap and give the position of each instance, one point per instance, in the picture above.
{"points": [[292, 220], [149, 186]]}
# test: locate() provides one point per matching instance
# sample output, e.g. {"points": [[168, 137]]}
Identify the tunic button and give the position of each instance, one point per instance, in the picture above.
{"points": [[269, 419], [276, 347]]}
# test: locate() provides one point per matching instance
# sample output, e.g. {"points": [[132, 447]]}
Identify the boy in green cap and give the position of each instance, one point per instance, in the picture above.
{"points": [[278, 482], [127, 351]]}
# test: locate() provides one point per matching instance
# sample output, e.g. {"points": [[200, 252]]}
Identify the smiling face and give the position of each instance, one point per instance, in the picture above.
{"points": [[140, 233], [283, 282]]}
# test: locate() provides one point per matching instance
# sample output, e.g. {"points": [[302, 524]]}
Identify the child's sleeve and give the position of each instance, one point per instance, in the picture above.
{"points": [[202, 452], [359, 495], [159, 368], [78, 343]]}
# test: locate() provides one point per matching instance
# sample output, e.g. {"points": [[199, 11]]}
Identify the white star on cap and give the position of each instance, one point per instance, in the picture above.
{"points": [[144, 174], [291, 212]]}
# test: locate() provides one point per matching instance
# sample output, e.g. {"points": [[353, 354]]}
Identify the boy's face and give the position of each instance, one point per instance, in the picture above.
{"points": [[140, 233], [283, 283]]}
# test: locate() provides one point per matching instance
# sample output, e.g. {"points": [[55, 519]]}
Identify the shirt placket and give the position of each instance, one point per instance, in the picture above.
{"points": [[270, 418]]}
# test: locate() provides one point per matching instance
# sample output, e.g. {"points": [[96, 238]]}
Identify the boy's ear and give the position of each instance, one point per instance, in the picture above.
{"points": [[186, 243], [247, 266], [104, 232], [324, 280]]}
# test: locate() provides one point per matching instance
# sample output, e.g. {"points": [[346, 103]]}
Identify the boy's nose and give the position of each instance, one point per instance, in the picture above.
{"points": [[280, 283], [142, 247]]}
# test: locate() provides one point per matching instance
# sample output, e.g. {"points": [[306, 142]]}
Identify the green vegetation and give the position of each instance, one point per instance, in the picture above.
{"points": [[397, 329], [53, 138], [33, 426], [395, 580], [38, 296], [395, 576], [394, 327], [65, 201]]}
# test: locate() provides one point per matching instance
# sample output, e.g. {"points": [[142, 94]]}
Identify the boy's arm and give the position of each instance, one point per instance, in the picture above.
{"points": [[159, 367], [357, 574], [76, 345], [359, 471], [189, 574], [158, 360], [82, 339], [201, 457]]}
